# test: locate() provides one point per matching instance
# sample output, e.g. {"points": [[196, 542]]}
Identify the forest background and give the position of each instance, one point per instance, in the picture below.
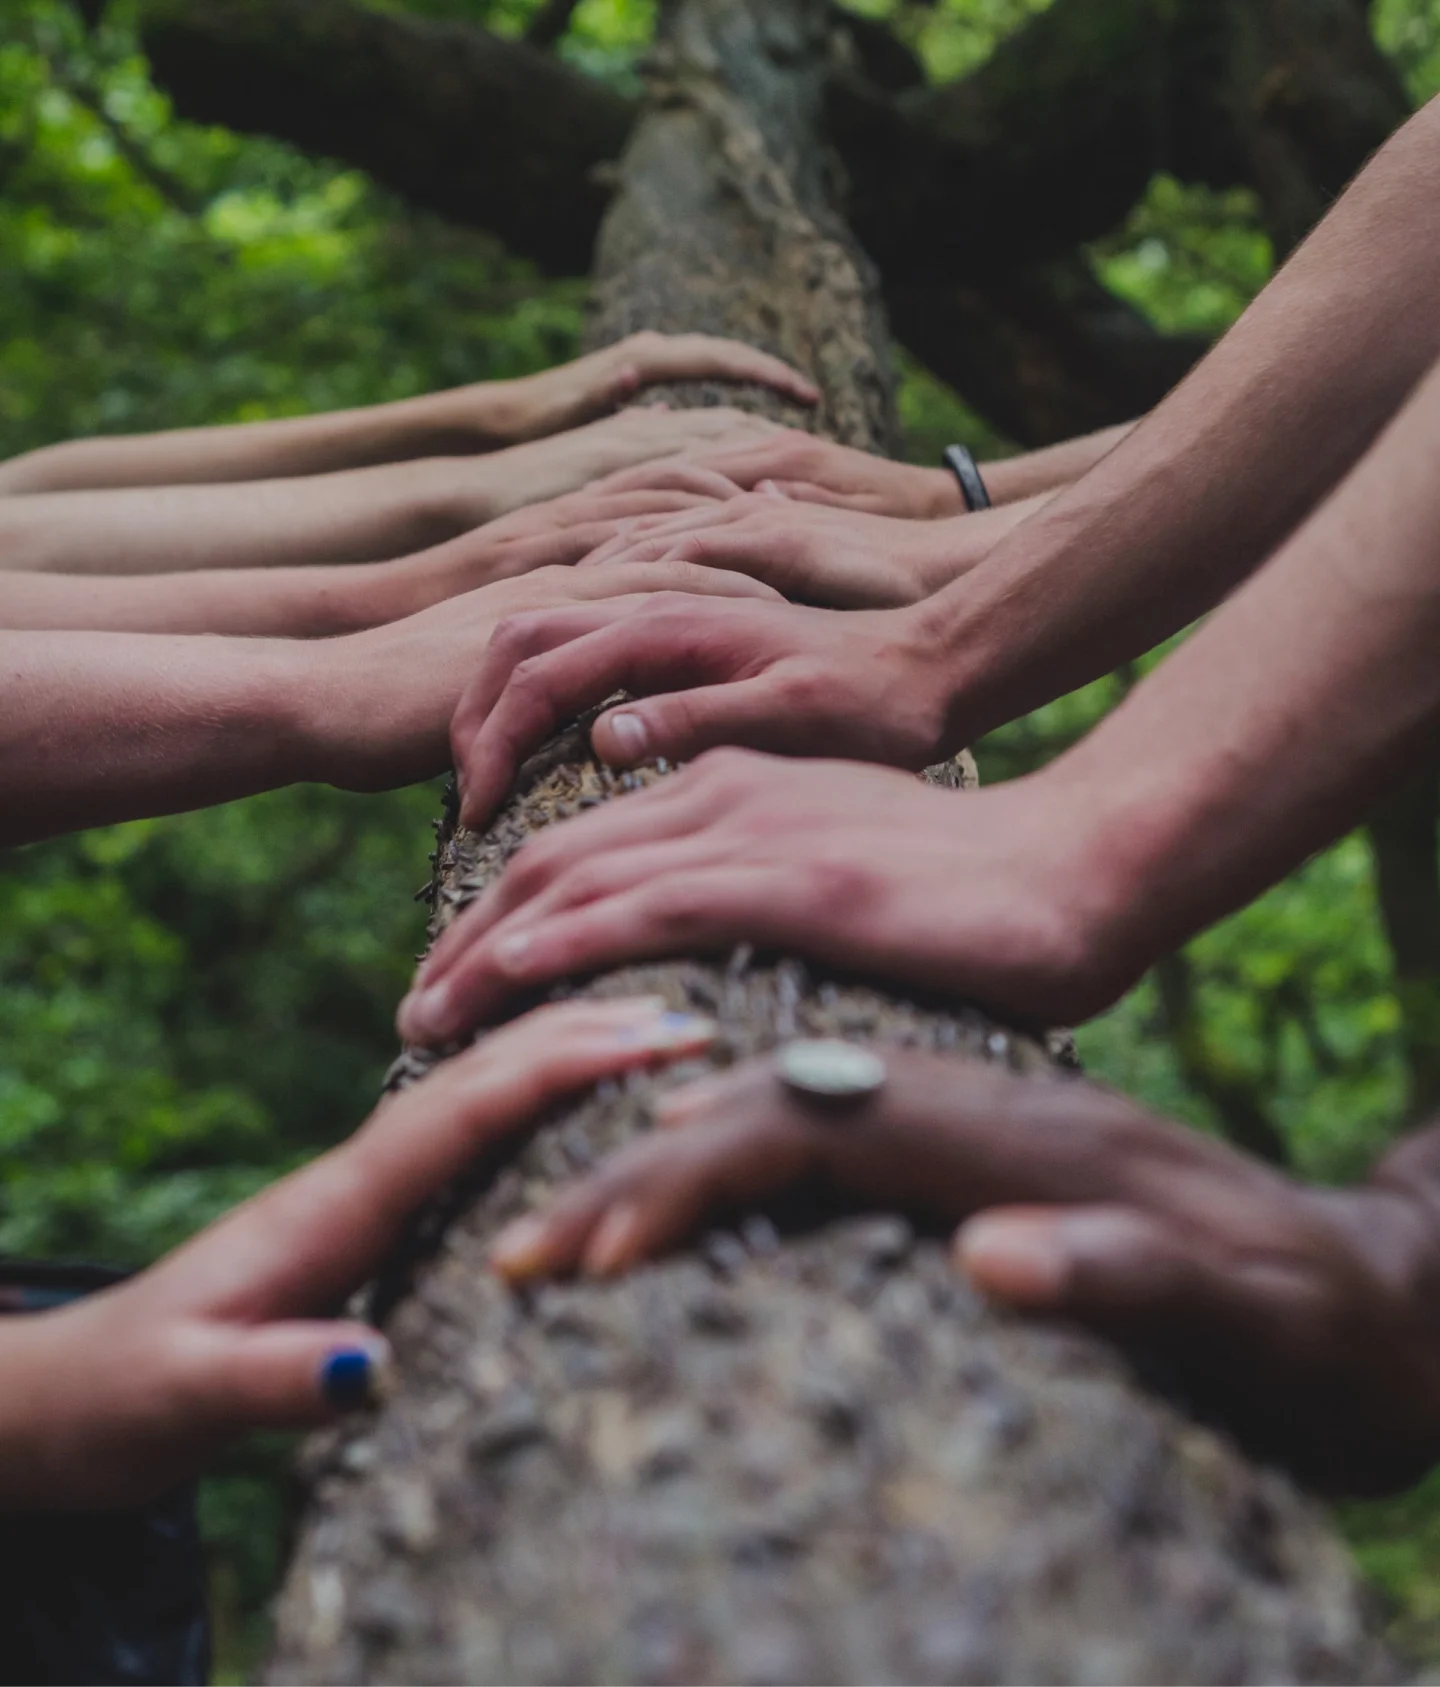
{"points": [[189, 1007]]}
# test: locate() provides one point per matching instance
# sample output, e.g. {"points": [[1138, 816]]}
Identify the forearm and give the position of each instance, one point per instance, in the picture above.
{"points": [[100, 727], [1014, 478], [241, 602], [1206, 487], [364, 515], [438, 424], [1276, 727]]}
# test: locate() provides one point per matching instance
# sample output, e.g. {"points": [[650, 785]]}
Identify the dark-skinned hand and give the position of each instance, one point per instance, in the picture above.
{"points": [[1306, 1317]]}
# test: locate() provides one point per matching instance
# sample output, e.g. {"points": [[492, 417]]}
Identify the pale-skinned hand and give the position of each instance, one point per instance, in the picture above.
{"points": [[555, 534], [813, 553], [559, 463], [109, 1401], [821, 472], [1304, 1317], [557, 399], [378, 704], [871, 685], [995, 896]]}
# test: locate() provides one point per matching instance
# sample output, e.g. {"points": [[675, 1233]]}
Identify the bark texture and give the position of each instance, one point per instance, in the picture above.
{"points": [[800, 1451]]}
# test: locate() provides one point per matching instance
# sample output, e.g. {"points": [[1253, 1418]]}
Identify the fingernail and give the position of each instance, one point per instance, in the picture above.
{"points": [[1023, 1261], [613, 1245], [672, 1030], [352, 1377], [424, 1015], [519, 1250], [629, 734], [511, 950]]}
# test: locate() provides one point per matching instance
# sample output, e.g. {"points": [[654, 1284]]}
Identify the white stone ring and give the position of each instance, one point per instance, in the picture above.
{"points": [[827, 1070]]}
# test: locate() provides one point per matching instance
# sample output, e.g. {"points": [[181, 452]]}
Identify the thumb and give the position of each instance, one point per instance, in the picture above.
{"points": [[1114, 1268], [285, 1375], [679, 725]]}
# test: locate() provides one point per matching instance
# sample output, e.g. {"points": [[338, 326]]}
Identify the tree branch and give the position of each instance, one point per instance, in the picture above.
{"points": [[489, 132]]}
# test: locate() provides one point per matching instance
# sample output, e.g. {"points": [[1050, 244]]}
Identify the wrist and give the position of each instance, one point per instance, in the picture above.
{"points": [[929, 494]]}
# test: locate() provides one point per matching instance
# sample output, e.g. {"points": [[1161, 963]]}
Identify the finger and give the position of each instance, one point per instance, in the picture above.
{"points": [[485, 760], [707, 909], [307, 1241], [1128, 1273], [752, 713], [676, 808], [700, 357], [535, 676], [231, 1378], [661, 474], [650, 1196], [674, 575], [810, 492], [453, 999]]}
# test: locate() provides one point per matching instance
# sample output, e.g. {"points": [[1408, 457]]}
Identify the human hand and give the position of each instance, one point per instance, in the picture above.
{"points": [[112, 1399], [999, 896], [548, 468], [1304, 1317], [819, 554], [554, 534], [556, 399], [874, 685], [377, 705], [818, 471]]}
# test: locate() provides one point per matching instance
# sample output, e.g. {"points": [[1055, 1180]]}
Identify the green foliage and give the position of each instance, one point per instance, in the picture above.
{"points": [[189, 1007]]}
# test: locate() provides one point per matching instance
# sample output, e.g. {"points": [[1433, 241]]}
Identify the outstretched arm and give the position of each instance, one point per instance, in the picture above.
{"points": [[103, 726], [459, 422], [111, 1400], [353, 515], [1305, 1316], [320, 602]]}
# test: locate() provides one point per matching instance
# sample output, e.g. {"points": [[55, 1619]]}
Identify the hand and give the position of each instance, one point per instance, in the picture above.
{"points": [[818, 471], [555, 534], [873, 685], [114, 1398], [1304, 1316], [816, 554], [996, 897], [548, 468], [557, 399], [377, 705]]}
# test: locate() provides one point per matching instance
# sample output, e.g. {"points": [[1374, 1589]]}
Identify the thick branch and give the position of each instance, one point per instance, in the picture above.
{"points": [[1048, 355], [494, 133]]}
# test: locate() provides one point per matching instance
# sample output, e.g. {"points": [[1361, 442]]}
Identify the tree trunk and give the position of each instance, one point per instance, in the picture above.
{"points": [[808, 1458]]}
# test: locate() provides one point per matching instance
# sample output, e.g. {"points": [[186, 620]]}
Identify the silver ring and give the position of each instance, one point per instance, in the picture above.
{"points": [[825, 1069]]}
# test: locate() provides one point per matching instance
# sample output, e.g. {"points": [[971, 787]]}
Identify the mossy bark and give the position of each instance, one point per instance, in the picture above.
{"points": [[800, 1451]]}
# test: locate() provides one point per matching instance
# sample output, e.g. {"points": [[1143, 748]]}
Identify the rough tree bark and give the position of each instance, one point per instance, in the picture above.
{"points": [[799, 1458]]}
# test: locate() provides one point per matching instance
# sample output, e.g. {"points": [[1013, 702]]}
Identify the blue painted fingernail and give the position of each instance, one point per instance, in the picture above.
{"points": [[346, 1378]]}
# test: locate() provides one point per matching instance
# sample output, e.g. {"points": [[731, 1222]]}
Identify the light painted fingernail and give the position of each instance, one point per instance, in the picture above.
{"points": [[511, 951], [520, 1249], [629, 734], [425, 1014], [613, 1245], [676, 1031], [1022, 1261]]}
